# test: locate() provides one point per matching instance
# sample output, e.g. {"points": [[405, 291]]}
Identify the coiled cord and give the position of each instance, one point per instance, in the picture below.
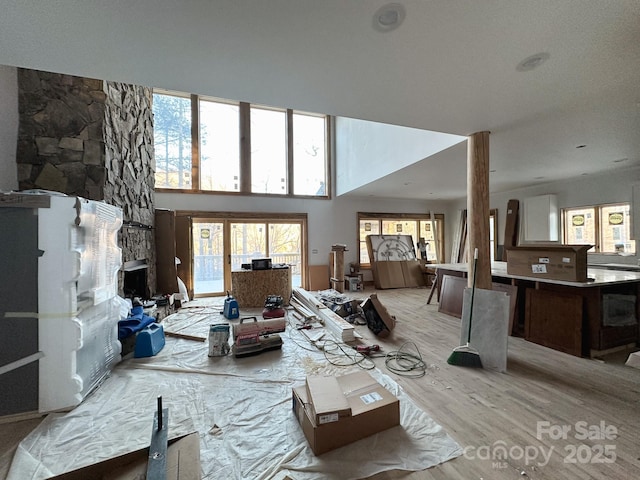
{"points": [[402, 362]]}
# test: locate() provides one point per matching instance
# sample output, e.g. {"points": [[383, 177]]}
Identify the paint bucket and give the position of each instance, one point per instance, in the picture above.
{"points": [[218, 339]]}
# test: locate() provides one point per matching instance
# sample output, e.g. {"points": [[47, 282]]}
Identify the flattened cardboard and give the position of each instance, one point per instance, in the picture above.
{"points": [[393, 261], [388, 275], [328, 403], [319, 277], [185, 450], [374, 409], [412, 273]]}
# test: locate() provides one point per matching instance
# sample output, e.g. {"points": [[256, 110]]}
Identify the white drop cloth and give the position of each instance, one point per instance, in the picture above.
{"points": [[241, 409]]}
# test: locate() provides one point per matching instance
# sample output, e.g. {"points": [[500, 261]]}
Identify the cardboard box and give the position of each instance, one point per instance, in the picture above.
{"points": [[378, 319], [555, 262], [373, 410], [183, 463], [353, 284], [328, 403]]}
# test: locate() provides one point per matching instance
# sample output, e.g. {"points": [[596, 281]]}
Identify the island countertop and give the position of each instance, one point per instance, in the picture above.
{"points": [[597, 276]]}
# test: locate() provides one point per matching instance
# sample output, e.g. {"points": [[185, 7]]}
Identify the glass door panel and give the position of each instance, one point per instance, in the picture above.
{"points": [[285, 246], [248, 241], [222, 246], [208, 257], [426, 232]]}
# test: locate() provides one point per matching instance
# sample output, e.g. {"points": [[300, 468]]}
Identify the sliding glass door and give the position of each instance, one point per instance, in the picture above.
{"points": [[208, 257], [222, 245], [285, 246], [281, 242]]}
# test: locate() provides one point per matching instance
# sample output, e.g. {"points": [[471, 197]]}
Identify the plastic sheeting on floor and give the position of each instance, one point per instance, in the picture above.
{"points": [[241, 409]]}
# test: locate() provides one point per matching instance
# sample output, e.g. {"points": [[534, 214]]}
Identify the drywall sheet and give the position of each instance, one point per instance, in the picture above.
{"points": [[489, 326], [241, 409]]}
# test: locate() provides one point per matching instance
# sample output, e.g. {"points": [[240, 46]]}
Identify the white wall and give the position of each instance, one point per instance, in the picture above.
{"points": [[330, 221], [611, 187], [366, 151], [8, 127]]}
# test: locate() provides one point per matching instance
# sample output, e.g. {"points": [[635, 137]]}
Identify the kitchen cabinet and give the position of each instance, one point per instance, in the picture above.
{"points": [[540, 219]]}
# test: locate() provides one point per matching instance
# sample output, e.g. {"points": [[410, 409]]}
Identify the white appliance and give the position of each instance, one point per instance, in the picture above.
{"points": [[59, 306]]}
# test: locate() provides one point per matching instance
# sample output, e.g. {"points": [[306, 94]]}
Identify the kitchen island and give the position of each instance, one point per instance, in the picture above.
{"points": [[581, 318], [251, 287]]}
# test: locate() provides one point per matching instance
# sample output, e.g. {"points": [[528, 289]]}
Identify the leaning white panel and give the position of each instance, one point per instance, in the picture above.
{"points": [[489, 326]]}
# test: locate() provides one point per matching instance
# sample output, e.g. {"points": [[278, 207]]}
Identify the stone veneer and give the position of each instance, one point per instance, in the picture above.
{"points": [[93, 139]]}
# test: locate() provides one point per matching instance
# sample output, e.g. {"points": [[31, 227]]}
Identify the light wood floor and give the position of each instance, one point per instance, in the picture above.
{"points": [[479, 407]]}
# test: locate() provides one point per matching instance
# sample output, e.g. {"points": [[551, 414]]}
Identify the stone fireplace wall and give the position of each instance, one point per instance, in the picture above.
{"points": [[94, 139], [130, 168]]}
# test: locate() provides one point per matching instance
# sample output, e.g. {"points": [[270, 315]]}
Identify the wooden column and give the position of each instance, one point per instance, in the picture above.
{"points": [[337, 267], [478, 208]]}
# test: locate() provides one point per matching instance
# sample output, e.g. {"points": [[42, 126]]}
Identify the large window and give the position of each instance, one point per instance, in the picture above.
{"points": [[219, 146], [606, 227], [309, 154], [416, 225], [211, 145], [172, 141], [268, 151]]}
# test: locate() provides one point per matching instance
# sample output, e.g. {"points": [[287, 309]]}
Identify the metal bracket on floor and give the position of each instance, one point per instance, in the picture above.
{"points": [[157, 464]]}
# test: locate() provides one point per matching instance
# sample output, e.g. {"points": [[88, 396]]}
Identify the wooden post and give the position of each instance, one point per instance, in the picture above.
{"points": [[478, 208], [337, 267]]}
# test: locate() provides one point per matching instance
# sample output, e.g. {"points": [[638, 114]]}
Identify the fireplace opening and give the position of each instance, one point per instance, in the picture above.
{"points": [[135, 279]]}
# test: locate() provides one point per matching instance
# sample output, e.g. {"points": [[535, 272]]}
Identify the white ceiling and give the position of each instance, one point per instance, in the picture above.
{"points": [[450, 67]]}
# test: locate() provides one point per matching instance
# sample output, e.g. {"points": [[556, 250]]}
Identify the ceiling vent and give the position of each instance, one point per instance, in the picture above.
{"points": [[388, 17]]}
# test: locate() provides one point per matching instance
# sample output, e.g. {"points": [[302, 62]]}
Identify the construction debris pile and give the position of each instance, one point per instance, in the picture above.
{"points": [[308, 308], [345, 306], [323, 307]]}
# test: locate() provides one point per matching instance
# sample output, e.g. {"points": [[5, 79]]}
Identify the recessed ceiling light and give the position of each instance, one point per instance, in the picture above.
{"points": [[534, 61], [388, 17], [581, 146]]}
